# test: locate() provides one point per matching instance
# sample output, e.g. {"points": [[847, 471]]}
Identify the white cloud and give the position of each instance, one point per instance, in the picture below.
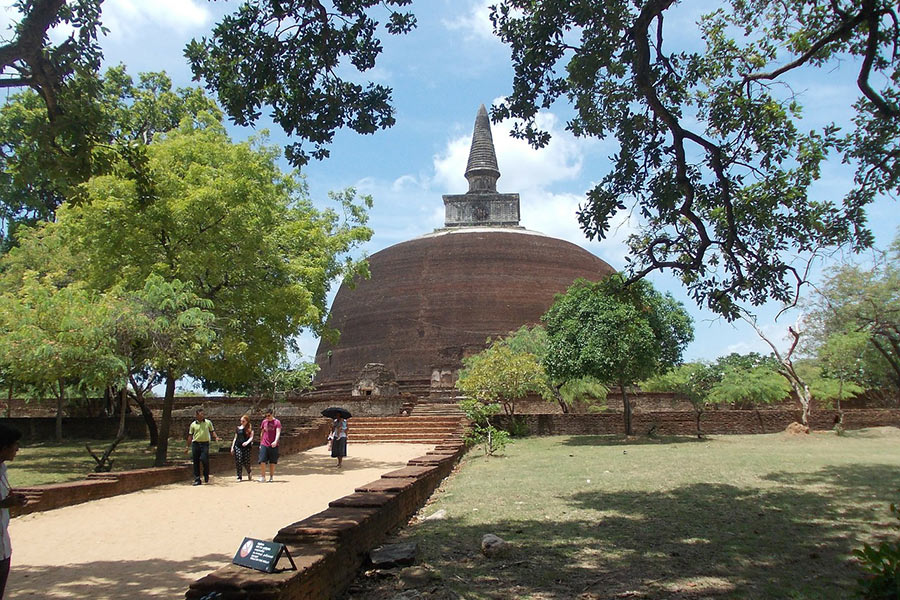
{"points": [[125, 18], [522, 167], [475, 22]]}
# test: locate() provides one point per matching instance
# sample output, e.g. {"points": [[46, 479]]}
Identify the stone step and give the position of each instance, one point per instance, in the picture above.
{"points": [[398, 437], [401, 426], [412, 418]]}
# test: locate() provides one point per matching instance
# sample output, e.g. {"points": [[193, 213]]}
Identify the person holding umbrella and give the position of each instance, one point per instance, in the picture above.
{"points": [[338, 436]]}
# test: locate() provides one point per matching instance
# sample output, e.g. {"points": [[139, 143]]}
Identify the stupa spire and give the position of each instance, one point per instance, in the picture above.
{"points": [[482, 205], [481, 171]]}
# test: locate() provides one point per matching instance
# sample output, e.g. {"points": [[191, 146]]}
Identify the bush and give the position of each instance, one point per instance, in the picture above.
{"points": [[518, 428], [489, 437], [882, 564]]}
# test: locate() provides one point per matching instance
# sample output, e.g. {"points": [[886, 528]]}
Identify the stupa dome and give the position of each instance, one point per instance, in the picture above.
{"points": [[436, 299]]}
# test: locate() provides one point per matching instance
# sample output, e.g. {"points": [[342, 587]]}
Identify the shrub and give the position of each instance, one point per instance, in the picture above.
{"points": [[882, 566]]}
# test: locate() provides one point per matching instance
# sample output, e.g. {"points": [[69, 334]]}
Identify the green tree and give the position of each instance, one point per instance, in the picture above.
{"points": [[501, 375], [758, 385], [711, 148], [55, 338], [40, 167], [619, 334], [586, 389], [865, 300], [170, 329], [296, 58], [691, 381], [224, 221], [482, 431], [842, 359]]}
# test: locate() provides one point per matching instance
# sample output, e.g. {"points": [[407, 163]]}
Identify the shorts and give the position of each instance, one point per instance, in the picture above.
{"points": [[268, 454]]}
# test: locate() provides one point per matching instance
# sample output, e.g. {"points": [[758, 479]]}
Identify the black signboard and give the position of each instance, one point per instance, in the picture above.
{"points": [[261, 555]]}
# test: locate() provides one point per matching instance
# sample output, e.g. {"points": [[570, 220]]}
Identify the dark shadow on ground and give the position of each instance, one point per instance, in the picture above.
{"points": [[110, 580], [698, 541], [311, 464], [618, 440]]}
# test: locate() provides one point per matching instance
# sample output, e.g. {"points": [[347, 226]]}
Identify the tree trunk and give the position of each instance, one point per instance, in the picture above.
{"points": [[123, 408], [805, 398], [149, 419], [162, 446], [697, 414], [626, 407], [9, 398], [559, 399], [895, 365], [59, 409]]}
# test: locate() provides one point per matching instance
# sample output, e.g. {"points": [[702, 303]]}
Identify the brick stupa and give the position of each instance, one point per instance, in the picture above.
{"points": [[435, 299]]}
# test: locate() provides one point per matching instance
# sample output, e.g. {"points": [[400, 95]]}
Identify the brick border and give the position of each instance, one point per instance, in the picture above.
{"points": [[713, 422], [330, 547], [104, 485]]}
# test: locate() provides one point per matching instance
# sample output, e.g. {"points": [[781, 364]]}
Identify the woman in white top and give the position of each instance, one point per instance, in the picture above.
{"points": [[339, 439], [9, 445]]}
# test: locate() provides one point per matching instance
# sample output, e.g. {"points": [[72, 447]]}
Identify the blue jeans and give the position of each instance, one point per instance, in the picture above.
{"points": [[200, 455]]}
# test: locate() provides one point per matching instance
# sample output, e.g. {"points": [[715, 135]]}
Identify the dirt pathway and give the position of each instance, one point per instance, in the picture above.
{"points": [[154, 543]]}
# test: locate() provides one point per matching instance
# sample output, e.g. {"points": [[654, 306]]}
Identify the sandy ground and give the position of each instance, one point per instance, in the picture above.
{"points": [[154, 543]]}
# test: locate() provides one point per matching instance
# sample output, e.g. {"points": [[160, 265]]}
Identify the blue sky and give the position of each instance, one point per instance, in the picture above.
{"points": [[440, 74]]}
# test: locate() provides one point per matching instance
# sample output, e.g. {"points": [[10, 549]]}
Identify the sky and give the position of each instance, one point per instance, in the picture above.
{"points": [[440, 74]]}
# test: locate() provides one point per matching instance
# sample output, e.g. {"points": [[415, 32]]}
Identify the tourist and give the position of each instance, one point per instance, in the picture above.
{"points": [[241, 446], [338, 439], [9, 445], [268, 445], [199, 434]]}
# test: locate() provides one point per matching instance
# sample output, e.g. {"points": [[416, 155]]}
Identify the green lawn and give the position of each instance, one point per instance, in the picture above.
{"points": [[49, 462], [764, 516]]}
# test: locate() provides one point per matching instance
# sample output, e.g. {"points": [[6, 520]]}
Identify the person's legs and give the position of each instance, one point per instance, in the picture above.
{"points": [[273, 460], [204, 460], [4, 575], [263, 461], [195, 458], [239, 462]]}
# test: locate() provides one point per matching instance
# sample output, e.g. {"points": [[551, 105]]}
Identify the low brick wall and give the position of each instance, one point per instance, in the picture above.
{"points": [[711, 422], [104, 485], [329, 547], [88, 428]]}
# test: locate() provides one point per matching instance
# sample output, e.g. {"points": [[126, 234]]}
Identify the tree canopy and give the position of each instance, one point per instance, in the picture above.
{"points": [[862, 299], [619, 334], [226, 235], [712, 154], [42, 166], [297, 59]]}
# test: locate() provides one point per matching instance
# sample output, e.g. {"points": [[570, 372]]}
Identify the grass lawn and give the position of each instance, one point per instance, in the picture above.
{"points": [[761, 516], [48, 462]]}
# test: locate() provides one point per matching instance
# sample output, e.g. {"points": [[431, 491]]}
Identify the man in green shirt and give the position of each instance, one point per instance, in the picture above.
{"points": [[199, 434]]}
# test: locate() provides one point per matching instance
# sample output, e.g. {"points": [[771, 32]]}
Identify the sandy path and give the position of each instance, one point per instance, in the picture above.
{"points": [[153, 543]]}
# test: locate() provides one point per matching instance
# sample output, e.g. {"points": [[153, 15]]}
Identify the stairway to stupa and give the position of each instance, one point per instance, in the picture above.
{"points": [[427, 423]]}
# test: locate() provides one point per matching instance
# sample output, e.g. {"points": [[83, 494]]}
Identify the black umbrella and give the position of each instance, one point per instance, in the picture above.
{"points": [[333, 412]]}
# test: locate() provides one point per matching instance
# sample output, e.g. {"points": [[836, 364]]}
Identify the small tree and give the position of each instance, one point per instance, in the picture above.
{"points": [[565, 392], [482, 431], [758, 385], [502, 375], [786, 366], [692, 381], [619, 334], [54, 338]]}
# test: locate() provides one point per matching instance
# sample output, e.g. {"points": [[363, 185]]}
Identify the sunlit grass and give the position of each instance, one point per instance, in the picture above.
{"points": [[39, 463], [763, 516]]}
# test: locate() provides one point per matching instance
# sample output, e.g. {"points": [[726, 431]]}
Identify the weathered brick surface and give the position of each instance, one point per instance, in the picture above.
{"points": [[333, 544], [711, 422]]}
